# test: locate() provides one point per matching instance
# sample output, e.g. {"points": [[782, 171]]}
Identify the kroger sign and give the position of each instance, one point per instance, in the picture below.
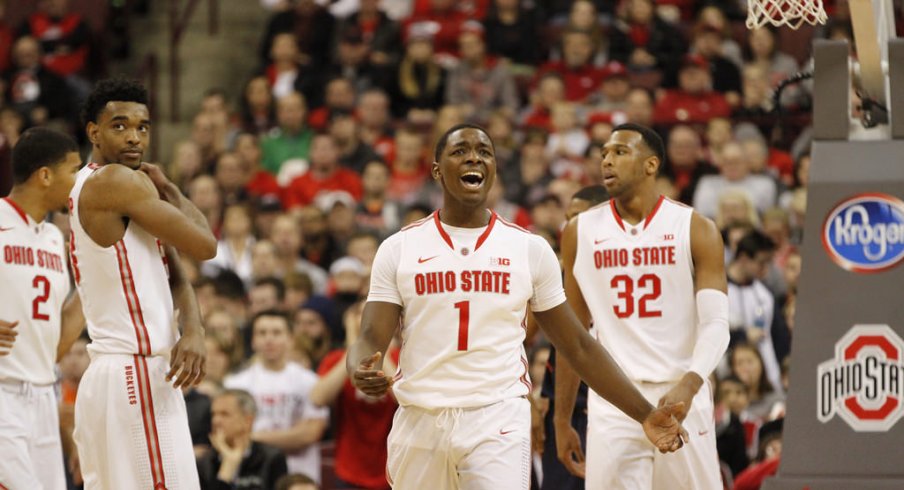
{"points": [[865, 233]]}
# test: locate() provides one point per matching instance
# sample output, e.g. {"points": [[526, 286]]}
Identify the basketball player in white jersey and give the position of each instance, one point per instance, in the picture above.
{"points": [[460, 282], [649, 273], [127, 219], [34, 286]]}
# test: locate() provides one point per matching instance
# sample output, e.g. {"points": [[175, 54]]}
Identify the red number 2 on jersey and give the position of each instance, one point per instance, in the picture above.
{"points": [[43, 286], [464, 317], [624, 284]]}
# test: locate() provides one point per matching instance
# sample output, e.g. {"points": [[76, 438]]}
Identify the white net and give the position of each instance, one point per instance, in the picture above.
{"points": [[791, 13]]}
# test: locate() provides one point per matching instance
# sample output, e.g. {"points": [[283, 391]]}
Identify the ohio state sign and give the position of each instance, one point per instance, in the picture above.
{"points": [[864, 382]]}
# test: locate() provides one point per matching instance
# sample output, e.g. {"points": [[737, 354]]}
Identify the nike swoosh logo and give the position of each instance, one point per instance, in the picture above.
{"points": [[5, 229], [504, 432], [702, 432], [597, 242], [421, 260]]}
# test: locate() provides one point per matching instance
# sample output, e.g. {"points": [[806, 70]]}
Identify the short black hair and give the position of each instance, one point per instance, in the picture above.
{"points": [[39, 147], [110, 90], [274, 313], [650, 138], [441, 142], [227, 284], [753, 243], [594, 194], [276, 283]]}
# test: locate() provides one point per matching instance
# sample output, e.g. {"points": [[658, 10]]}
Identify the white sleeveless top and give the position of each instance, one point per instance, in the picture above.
{"points": [[464, 294], [638, 282], [124, 288], [34, 283]]}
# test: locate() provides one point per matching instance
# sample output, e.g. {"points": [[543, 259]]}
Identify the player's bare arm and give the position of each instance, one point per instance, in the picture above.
{"points": [[568, 443], [710, 286], [301, 435], [189, 355], [115, 192], [364, 360], [72, 324], [8, 335]]}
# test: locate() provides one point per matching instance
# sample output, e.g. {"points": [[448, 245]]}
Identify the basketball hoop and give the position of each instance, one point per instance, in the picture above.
{"points": [[791, 13]]}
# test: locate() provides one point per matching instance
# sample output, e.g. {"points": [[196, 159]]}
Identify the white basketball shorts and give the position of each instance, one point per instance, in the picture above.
{"points": [[619, 455], [131, 427], [31, 455], [484, 448]]}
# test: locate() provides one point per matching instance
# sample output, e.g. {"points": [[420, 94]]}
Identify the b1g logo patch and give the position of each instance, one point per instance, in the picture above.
{"points": [[864, 382], [865, 233]]}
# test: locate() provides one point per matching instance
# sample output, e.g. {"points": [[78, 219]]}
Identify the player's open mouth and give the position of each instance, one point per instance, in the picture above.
{"points": [[472, 180]]}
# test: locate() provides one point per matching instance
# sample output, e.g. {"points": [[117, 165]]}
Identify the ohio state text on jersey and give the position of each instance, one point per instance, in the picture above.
{"points": [[464, 294], [638, 282]]}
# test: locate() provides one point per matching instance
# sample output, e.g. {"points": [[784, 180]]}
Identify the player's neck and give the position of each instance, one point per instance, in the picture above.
{"points": [[29, 201], [635, 207], [463, 217]]}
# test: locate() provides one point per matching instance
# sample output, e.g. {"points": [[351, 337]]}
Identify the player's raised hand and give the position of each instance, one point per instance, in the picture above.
{"points": [[664, 430], [368, 379], [8, 335], [188, 360], [568, 449]]}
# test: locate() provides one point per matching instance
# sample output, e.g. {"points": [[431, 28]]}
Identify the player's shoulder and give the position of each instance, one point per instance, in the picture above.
{"points": [[509, 226], [117, 179]]}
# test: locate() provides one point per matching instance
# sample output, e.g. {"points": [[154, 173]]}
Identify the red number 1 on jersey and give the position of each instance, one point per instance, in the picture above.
{"points": [[464, 317], [624, 284], [43, 286]]}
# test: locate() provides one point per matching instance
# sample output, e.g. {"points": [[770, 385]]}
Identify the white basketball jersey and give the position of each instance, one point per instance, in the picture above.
{"points": [[464, 294], [124, 288], [34, 283], [638, 282]]}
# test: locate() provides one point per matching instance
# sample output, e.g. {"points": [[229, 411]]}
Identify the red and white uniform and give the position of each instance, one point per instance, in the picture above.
{"points": [[638, 283], [131, 425], [463, 420], [34, 283]]}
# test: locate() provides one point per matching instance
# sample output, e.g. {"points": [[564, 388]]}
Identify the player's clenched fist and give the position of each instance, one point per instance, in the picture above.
{"points": [[664, 430], [371, 381], [7, 336]]}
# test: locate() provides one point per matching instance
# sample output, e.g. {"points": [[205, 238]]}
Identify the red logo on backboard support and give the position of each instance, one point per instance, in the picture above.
{"points": [[863, 384]]}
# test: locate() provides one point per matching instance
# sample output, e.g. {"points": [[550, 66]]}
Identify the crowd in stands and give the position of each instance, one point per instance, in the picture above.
{"points": [[327, 151]]}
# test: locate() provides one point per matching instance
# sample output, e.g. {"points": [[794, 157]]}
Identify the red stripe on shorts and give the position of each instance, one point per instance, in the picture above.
{"points": [[128, 289], [149, 423]]}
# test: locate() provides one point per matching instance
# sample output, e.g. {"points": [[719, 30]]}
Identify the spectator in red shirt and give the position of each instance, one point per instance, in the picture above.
{"points": [[260, 182], [376, 212], [325, 174], [362, 423], [445, 19], [65, 38], [576, 68], [550, 89], [694, 102], [643, 41], [409, 169], [339, 95], [373, 111]]}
